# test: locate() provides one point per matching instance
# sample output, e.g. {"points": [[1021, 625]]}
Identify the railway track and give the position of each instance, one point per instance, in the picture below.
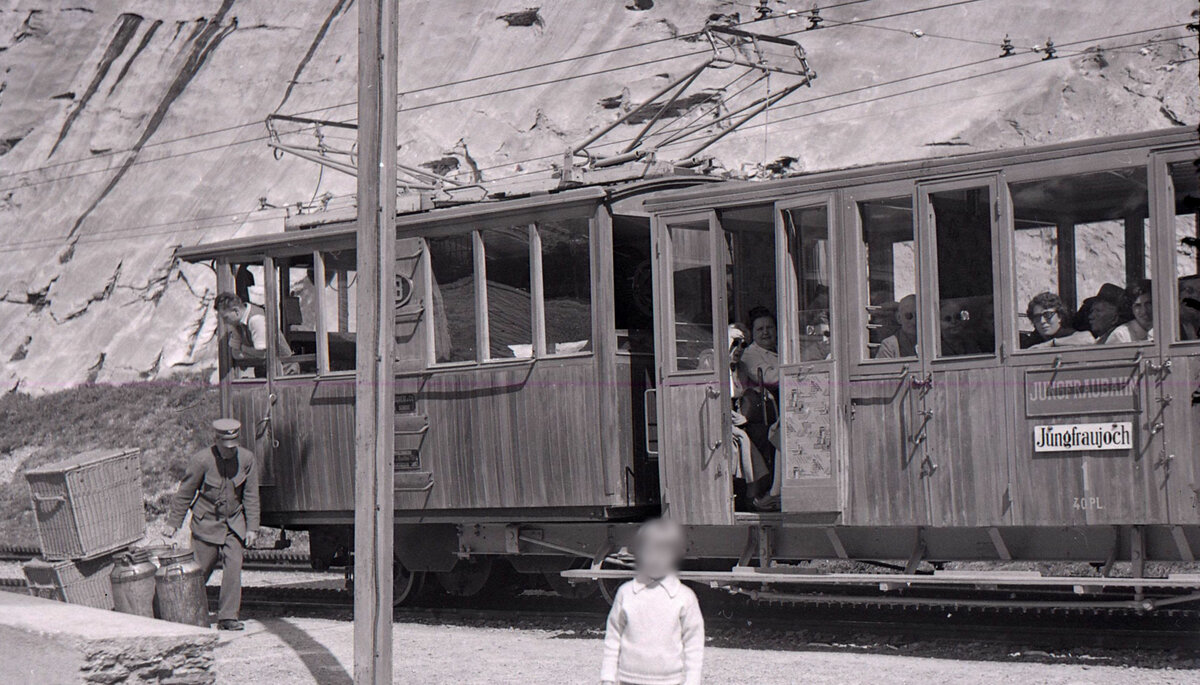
{"points": [[833, 623], [256, 559]]}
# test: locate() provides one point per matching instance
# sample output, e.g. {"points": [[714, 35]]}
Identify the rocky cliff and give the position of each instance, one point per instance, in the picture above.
{"points": [[129, 127]]}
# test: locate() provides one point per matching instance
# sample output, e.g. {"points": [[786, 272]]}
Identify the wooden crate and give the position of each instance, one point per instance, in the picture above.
{"points": [[88, 583], [88, 505]]}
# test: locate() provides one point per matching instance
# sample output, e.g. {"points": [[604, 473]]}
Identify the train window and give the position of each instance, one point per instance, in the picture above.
{"points": [[245, 318], [453, 264], [633, 301], [566, 284], [509, 292], [808, 237], [691, 278], [750, 235], [298, 313], [1082, 258], [887, 237], [338, 302], [1187, 247], [963, 228]]}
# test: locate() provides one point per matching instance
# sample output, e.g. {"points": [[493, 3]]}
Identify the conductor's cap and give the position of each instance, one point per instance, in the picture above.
{"points": [[227, 429]]}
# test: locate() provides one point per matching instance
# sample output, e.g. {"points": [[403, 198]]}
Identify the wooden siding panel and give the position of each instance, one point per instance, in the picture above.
{"points": [[1087, 488], [884, 464], [1181, 421], [967, 443]]}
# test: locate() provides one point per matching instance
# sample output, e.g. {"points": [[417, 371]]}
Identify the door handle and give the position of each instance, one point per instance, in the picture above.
{"points": [[712, 393]]}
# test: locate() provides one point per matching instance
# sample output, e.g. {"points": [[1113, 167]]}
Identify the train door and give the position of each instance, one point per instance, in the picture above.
{"points": [[961, 432], [246, 382], [1176, 376], [812, 427], [692, 357], [885, 385]]}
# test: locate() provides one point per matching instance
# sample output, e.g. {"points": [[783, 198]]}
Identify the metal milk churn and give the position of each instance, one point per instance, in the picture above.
{"points": [[133, 583], [179, 589]]}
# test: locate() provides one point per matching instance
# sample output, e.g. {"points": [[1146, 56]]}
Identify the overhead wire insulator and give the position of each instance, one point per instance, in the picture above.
{"points": [[1049, 50], [1006, 47], [814, 19], [763, 11]]}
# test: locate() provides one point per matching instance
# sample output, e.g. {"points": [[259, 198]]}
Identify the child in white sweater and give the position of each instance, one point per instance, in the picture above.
{"points": [[655, 632]]}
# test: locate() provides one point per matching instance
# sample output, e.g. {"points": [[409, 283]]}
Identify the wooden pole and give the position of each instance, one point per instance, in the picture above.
{"points": [[374, 497]]}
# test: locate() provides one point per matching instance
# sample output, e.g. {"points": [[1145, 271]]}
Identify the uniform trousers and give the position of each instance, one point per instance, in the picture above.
{"points": [[230, 555]]}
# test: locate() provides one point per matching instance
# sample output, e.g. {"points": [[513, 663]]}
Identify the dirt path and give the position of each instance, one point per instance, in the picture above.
{"points": [[321, 651]]}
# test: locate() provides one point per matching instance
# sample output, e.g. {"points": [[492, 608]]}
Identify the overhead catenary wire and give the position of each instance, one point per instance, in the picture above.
{"points": [[351, 103], [12, 247], [234, 127]]}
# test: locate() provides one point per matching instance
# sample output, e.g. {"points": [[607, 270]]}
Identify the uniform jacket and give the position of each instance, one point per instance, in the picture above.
{"points": [[222, 494]]}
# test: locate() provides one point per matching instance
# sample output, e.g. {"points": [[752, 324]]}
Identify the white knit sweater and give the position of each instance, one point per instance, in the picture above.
{"points": [[655, 635]]}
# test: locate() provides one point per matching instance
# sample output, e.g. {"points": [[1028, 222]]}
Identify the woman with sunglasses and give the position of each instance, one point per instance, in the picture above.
{"points": [[750, 464], [1049, 316]]}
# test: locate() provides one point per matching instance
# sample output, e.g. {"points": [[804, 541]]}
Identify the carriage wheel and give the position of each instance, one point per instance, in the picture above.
{"points": [[467, 578], [406, 584]]}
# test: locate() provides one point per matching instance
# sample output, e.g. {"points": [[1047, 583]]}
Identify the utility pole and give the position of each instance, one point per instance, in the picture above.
{"points": [[374, 495]]}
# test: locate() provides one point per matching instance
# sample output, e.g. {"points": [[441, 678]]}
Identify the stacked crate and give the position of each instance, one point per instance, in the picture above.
{"points": [[87, 507]]}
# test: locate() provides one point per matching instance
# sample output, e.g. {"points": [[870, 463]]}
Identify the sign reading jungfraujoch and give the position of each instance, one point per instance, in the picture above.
{"points": [[1083, 437]]}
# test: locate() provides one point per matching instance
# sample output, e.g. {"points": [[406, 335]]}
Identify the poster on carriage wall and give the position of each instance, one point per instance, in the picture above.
{"points": [[807, 424]]}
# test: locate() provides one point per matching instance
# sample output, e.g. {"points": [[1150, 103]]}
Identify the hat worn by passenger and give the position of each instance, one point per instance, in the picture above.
{"points": [[228, 431]]}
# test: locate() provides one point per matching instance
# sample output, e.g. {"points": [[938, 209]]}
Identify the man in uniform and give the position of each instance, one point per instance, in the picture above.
{"points": [[221, 489]]}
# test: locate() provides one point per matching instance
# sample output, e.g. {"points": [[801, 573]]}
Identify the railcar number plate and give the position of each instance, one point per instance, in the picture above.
{"points": [[1083, 437]]}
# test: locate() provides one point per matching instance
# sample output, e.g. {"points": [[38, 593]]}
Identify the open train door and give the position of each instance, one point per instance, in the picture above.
{"points": [[693, 360], [812, 430]]}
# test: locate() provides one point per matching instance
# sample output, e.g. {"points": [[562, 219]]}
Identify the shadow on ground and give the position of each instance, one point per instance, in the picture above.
{"points": [[320, 662]]}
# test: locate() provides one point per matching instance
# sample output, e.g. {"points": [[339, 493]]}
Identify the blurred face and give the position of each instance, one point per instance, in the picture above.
{"points": [[1102, 317], [764, 333], [736, 348], [907, 316], [1143, 311], [1046, 322], [950, 319], [1189, 290], [658, 553]]}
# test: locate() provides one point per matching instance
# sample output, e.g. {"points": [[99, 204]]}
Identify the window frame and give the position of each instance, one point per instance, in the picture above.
{"points": [[858, 354], [537, 289], [1071, 166], [1162, 223], [787, 279], [928, 275]]}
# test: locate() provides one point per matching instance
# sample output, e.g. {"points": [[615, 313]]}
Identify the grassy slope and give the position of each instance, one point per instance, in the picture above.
{"points": [[167, 419]]}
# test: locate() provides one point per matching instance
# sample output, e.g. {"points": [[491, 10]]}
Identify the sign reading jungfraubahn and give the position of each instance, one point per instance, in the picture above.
{"points": [[1083, 437], [1090, 390]]}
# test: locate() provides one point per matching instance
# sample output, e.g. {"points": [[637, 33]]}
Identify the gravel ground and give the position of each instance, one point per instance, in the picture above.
{"points": [[315, 650]]}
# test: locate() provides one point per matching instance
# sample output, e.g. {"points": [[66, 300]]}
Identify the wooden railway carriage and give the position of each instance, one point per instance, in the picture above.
{"points": [[528, 339]]}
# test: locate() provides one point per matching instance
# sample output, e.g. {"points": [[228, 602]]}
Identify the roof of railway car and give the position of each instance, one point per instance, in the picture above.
{"points": [[329, 228], [750, 192]]}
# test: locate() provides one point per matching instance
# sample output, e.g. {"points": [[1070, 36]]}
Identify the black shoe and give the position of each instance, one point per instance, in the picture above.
{"points": [[230, 624]]}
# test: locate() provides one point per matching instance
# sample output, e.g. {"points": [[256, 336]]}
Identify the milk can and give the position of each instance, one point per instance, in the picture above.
{"points": [[133, 583], [179, 589]]}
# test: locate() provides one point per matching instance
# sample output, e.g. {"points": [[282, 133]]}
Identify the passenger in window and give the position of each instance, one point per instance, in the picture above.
{"points": [[762, 356], [816, 345], [1189, 307], [750, 467], [904, 342], [247, 337], [1049, 317], [1141, 327], [956, 339], [1103, 317]]}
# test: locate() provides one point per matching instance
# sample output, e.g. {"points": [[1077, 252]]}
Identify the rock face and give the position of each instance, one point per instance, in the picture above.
{"points": [[129, 128]]}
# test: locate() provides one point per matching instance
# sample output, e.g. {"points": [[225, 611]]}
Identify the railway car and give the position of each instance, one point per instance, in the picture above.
{"points": [[983, 357]]}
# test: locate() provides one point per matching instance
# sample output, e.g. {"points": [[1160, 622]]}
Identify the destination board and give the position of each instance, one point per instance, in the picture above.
{"points": [[1093, 390]]}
